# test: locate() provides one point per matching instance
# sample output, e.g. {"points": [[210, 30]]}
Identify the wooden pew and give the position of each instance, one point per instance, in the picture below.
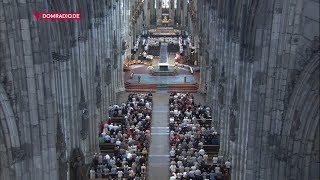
{"points": [[211, 149], [117, 120], [140, 87], [107, 148], [183, 87], [141, 90], [207, 122]]}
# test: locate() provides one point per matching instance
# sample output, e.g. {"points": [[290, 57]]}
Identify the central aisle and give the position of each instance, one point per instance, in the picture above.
{"points": [[159, 146], [163, 53]]}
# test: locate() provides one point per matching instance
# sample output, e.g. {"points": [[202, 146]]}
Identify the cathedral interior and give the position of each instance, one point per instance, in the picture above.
{"points": [[249, 67]]}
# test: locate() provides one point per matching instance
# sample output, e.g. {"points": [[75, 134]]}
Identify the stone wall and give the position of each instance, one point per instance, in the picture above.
{"points": [[57, 81], [260, 69]]}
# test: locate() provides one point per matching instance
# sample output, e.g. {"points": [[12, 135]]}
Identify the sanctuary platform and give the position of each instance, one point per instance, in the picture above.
{"points": [[163, 71], [142, 79]]}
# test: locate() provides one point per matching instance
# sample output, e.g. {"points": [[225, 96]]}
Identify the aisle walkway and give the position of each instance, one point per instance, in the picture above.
{"points": [[163, 53], [159, 147]]}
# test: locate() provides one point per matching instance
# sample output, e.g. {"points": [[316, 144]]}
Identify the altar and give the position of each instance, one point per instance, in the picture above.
{"points": [[163, 70], [163, 66]]}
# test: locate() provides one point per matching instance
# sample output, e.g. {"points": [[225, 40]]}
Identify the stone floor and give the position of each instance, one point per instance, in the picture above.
{"points": [[158, 167]]}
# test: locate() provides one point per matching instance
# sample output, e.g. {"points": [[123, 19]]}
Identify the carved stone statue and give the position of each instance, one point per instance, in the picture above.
{"points": [[296, 123], [18, 154], [98, 95], [115, 59], [124, 46], [84, 124], [97, 73], [108, 74], [234, 100], [61, 149], [232, 124], [115, 51], [213, 73], [83, 106], [77, 165], [220, 94]]}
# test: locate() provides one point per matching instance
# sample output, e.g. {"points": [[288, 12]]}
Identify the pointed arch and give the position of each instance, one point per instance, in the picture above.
{"points": [[300, 130], [9, 137]]}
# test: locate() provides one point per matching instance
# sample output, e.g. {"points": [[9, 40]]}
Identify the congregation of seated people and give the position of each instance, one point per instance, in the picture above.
{"points": [[128, 131], [189, 133]]}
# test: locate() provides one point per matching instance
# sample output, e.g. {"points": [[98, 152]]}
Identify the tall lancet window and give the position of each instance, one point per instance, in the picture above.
{"points": [[166, 4], [175, 4]]}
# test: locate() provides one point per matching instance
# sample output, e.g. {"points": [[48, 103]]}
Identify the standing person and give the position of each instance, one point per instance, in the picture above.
{"points": [[205, 158], [172, 153], [173, 177], [217, 169], [214, 160], [226, 176], [228, 165], [143, 171], [198, 174], [113, 171], [144, 152], [219, 176], [220, 159], [134, 167], [92, 174], [120, 174], [131, 175], [212, 175], [173, 168]]}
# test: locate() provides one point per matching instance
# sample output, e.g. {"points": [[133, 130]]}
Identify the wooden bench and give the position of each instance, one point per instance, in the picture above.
{"points": [[117, 120], [140, 86], [207, 122], [141, 90], [107, 148], [211, 149], [183, 87]]}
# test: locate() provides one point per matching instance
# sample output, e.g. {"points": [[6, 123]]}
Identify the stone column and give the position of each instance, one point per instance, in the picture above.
{"points": [[171, 13], [159, 12], [146, 12]]}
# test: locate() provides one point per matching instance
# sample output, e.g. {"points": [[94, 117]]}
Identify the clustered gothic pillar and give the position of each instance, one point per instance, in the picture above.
{"points": [[136, 22], [60, 77], [260, 60], [159, 12], [146, 12]]}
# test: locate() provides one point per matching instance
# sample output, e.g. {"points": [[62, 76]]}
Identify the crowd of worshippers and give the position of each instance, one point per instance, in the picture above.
{"points": [[135, 104], [130, 137], [186, 115], [189, 132]]}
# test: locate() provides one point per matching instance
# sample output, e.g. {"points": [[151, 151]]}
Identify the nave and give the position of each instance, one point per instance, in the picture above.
{"points": [[159, 136], [255, 62]]}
